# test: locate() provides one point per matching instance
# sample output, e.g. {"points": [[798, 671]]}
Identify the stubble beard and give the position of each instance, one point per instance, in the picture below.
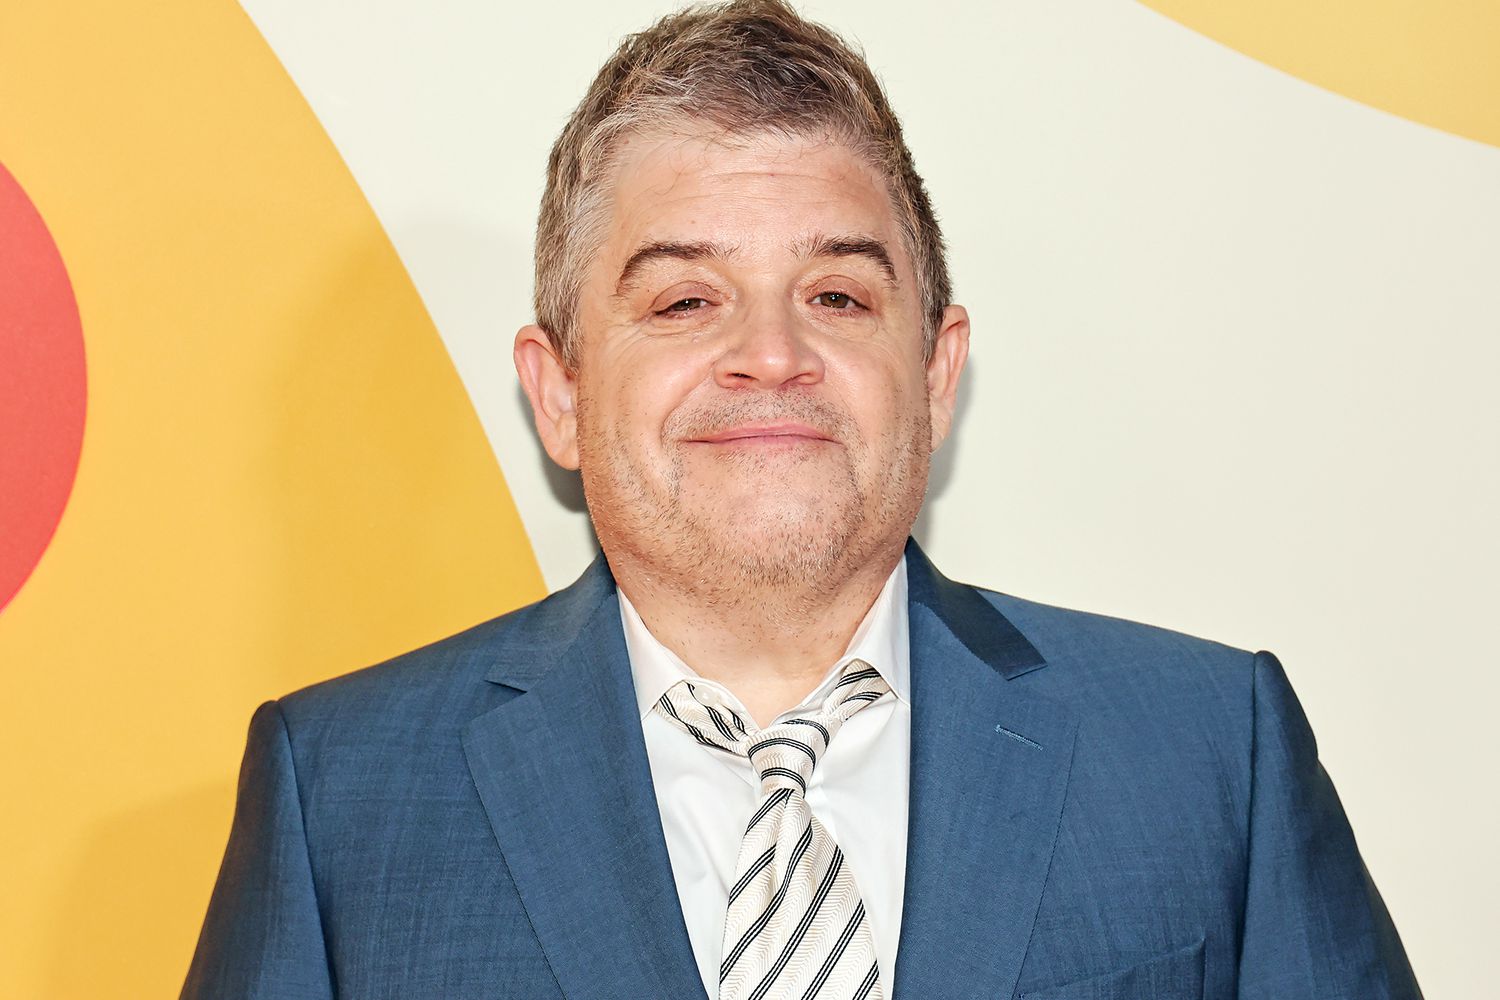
{"points": [[774, 558]]}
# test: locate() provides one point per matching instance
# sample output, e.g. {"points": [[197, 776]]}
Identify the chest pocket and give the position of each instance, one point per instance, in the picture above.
{"points": [[1172, 975]]}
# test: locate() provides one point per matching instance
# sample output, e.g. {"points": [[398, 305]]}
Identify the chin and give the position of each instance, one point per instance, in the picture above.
{"points": [[777, 545]]}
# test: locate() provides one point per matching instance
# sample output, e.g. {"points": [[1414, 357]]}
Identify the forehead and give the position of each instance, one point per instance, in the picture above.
{"points": [[750, 191]]}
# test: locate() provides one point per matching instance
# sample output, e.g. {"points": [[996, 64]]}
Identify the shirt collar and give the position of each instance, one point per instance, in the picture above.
{"points": [[880, 640]]}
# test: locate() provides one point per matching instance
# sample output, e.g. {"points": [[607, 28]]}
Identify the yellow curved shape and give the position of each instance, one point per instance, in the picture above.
{"points": [[1431, 61], [282, 477]]}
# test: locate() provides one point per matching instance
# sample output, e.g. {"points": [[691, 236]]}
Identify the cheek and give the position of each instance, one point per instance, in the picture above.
{"points": [[637, 388], [884, 398]]}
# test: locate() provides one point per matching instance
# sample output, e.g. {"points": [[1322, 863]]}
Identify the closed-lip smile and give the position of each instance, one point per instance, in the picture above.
{"points": [[779, 431]]}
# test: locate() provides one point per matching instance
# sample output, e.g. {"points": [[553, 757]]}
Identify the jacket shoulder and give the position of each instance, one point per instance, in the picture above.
{"points": [[439, 674], [1105, 653], [1166, 719]]}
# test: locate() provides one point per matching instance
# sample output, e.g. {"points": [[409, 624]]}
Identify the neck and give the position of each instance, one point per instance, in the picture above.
{"points": [[769, 645]]}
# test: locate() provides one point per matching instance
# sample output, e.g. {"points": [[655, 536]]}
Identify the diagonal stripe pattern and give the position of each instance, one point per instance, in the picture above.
{"points": [[796, 926]]}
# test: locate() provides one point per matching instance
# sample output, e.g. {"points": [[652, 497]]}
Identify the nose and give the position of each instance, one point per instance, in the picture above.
{"points": [[768, 350]]}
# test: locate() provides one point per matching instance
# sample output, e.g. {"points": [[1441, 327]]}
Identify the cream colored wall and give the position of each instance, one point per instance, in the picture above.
{"points": [[1235, 345]]}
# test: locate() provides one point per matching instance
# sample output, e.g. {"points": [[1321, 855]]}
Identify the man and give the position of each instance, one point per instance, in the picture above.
{"points": [[762, 748]]}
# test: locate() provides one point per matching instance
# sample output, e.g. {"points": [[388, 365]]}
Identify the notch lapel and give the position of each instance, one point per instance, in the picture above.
{"points": [[563, 775], [989, 772]]}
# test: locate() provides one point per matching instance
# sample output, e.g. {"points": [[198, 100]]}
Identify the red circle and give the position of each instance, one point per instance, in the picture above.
{"points": [[43, 387]]}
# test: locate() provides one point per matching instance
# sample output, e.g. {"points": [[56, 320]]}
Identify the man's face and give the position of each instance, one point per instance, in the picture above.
{"points": [[751, 397]]}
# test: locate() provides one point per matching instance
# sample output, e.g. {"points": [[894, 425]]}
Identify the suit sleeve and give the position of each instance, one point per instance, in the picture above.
{"points": [[1315, 926], [263, 935]]}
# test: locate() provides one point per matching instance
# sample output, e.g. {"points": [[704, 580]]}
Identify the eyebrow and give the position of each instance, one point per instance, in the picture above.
{"points": [[655, 250], [849, 245], [815, 245]]}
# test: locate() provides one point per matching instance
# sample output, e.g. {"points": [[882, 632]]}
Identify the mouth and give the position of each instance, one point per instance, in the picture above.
{"points": [[774, 433]]}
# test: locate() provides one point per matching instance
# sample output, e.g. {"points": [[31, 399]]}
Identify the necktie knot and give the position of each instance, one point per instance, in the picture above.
{"points": [[785, 753]]}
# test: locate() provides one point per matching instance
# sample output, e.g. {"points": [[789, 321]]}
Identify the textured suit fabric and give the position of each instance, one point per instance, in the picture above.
{"points": [[1099, 809]]}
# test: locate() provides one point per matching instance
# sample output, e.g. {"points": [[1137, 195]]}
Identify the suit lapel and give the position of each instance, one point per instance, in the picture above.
{"points": [[563, 775], [989, 772]]}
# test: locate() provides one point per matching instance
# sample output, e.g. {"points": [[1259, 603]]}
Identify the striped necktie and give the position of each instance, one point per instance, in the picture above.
{"points": [[796, 927]]}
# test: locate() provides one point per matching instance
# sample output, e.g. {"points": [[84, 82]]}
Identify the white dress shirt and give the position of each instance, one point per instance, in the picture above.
{"points": [[858, 790]]}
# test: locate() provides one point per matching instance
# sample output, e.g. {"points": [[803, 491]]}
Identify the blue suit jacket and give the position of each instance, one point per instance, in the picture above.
{"points": [[1100, 810]]}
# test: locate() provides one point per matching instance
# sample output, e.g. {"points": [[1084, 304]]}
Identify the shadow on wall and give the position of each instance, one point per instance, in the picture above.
{"points": [[566, 485], [944, 461], [121, 910], [473, 303]]}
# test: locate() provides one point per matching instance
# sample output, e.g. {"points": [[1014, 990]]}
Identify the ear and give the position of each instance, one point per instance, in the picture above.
{"points": [[552, 390], [949, 353]]}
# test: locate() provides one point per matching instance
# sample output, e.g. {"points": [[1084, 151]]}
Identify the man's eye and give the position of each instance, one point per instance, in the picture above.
{"points": [[685, 305], [835, 300]]}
